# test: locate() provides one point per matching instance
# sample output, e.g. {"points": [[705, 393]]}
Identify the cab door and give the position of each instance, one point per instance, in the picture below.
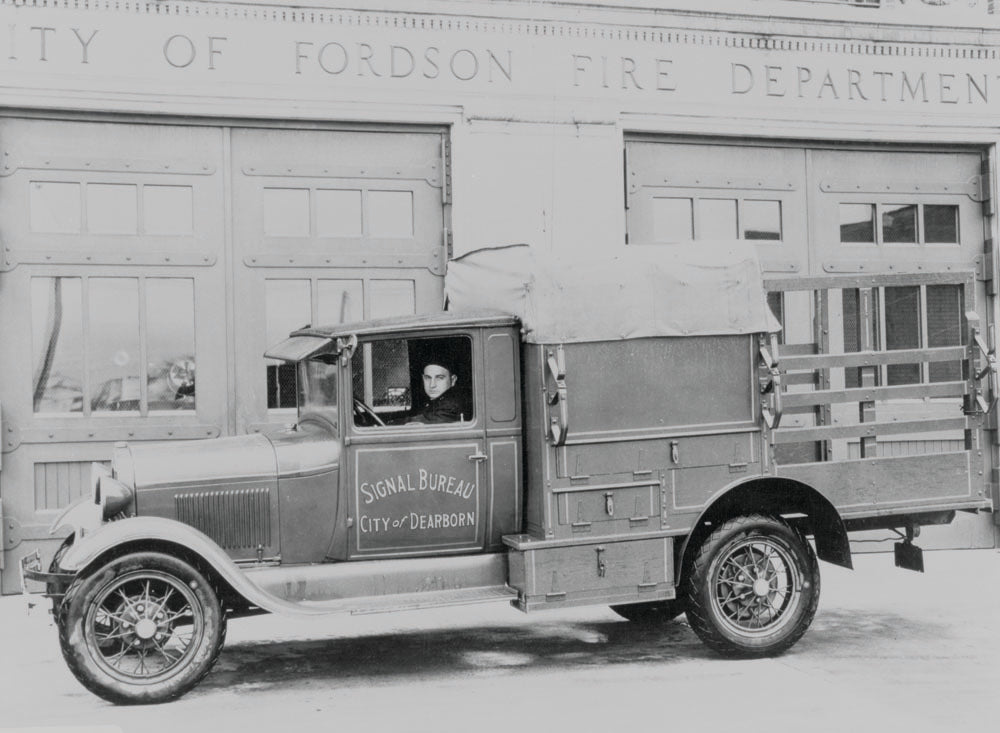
{"points": [[414, 488]]}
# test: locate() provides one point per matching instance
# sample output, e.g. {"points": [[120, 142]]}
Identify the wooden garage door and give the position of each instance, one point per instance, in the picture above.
{"points": [[137, 256]]}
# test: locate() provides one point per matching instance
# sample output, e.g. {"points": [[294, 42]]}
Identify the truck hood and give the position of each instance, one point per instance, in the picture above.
{"points": [[304, 450], [187, 463]]}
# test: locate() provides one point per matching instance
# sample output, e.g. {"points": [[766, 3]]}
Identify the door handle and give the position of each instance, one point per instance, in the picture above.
{"points": [[477, 456]]}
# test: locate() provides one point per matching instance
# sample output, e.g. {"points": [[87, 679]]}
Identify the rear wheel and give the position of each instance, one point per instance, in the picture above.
{"points": [[651, 612], [753, 587], [144, 628]]}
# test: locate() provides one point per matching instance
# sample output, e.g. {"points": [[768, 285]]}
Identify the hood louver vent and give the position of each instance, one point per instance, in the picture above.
{"points": [[235, 519]]}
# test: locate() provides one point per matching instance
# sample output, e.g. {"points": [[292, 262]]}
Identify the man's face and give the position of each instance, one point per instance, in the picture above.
{"points": [[437, 380]]}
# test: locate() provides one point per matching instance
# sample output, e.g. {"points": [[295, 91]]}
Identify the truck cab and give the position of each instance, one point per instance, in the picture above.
{"points": [[408, 484]]}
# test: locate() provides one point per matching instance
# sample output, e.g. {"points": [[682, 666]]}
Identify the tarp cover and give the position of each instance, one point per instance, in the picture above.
{"points": [[696, 289]]}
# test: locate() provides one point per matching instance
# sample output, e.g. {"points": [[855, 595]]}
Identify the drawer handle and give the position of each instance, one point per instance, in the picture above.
{"points": [[609, 503], [602, 567]]}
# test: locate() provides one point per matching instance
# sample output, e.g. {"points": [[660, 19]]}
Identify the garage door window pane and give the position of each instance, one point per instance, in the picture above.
{"points": [[902, 330], [112, 208], [717, 219], [170, 343], [113, 348], [55, 207], [340, 301], [940, 224], [857, 223], [57, 344], [945, 327], [852, 335], [899, 223], [287, 304], [673, 220], [338, 213], [286, 212], [390, 214], [762, 220], [168, 210], [392, 298]]}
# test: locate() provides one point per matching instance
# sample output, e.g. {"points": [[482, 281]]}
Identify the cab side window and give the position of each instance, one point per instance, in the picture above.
{"points": [[425, 381]]}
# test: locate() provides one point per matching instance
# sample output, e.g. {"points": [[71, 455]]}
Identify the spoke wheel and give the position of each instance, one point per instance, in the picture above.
{"points": [[145, 628], [753, 587]]}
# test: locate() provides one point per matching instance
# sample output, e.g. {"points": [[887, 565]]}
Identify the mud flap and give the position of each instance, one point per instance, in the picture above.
{"points": [[909, 556]]}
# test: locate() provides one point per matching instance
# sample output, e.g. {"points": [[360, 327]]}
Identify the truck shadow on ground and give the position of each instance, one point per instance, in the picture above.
{"points": [[451, 651], [573, 646]]}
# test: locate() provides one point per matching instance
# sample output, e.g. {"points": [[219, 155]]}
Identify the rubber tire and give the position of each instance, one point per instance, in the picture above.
{"points": [[72, 638], [704, 617], [651, 612]]}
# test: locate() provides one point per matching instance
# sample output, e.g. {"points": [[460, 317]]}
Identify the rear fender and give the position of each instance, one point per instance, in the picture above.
{"points": [[777, 496], [157, 531]]}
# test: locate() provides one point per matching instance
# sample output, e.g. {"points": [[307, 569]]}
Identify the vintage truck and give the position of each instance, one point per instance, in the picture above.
{"points": [[616, 445]]}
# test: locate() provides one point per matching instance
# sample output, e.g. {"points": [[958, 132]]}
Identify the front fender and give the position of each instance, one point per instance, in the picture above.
{"points": [[154, 531]]}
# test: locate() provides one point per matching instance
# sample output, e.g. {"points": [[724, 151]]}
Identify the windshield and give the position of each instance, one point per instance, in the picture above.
{"points": [[318, 388]]}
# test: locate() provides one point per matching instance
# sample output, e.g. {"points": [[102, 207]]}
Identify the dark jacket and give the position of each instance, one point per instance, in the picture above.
{"points": [[449, 407]]}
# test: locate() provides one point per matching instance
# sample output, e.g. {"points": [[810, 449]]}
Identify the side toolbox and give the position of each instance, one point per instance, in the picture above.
{"points": [[548, 574]]}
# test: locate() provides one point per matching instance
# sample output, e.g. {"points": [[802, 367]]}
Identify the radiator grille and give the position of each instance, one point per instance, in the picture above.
{"points": [[238, 518]]}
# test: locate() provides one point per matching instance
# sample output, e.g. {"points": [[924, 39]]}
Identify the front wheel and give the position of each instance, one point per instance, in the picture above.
{"points": [[753, 587], [145, 628]]}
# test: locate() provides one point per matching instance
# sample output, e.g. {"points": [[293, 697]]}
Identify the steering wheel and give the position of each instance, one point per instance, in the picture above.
{"points": [[363, 408]]}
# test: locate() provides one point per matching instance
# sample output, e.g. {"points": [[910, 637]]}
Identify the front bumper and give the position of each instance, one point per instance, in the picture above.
{"points": [[55, 583]]}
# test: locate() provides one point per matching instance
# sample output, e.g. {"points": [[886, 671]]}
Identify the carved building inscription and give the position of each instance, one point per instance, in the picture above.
{"points": [[318, 55]]}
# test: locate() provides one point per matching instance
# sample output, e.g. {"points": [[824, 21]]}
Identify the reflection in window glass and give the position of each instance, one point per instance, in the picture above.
{"points": [[340, 301], [170, 378], [673, 220], [112, 208], [940, 224], [287, 306], [55, 207], [318, 388], [57, 344], [857, 223], [852, 334], [390, 214], [338, 213], [945, 327], [899, 223], [286, 212], [392, 298], [902, 330], [381, 378], [762, 220], [113, 355], [717, 219]]}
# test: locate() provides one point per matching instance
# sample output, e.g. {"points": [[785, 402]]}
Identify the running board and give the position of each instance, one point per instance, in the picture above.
{"points": [[413, 601], [376, 586]]}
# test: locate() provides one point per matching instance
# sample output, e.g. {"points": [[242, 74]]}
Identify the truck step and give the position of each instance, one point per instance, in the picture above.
{"points": [[413, 601]]}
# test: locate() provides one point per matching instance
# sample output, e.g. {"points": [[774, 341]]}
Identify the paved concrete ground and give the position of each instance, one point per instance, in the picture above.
{"points": [[889, 650]]}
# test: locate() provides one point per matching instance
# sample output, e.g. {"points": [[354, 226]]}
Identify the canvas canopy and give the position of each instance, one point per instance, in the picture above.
{"points": [[695, 289]]}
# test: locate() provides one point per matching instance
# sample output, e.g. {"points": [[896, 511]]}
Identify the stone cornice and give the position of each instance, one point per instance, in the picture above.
{"points": [[630, 24]]}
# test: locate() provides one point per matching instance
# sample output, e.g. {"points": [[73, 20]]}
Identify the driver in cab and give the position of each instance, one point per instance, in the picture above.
{"points": [[442, 403]]}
